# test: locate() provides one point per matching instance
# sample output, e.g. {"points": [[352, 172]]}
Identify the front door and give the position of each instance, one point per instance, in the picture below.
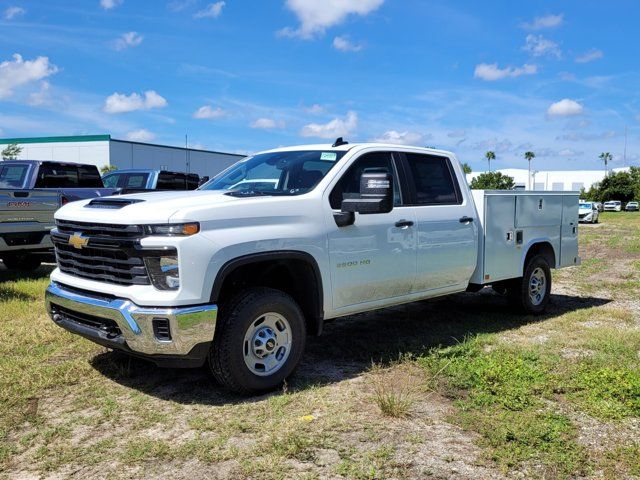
{"points": [[375, 258]]}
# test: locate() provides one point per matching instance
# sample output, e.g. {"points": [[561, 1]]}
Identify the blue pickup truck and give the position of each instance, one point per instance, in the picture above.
{"points": [[30, 193]]}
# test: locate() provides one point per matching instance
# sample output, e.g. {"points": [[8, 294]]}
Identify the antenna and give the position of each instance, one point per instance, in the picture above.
{"points": [[339, 141]]}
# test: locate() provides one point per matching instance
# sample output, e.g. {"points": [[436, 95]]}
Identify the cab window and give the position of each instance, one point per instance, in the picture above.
{"points": [[349, 185]]}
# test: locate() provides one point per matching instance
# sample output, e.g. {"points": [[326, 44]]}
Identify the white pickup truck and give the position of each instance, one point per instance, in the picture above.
{"points": [[237, 278]]}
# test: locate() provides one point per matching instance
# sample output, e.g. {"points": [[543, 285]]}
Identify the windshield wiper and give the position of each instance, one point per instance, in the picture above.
{"points": [[248, 193]]}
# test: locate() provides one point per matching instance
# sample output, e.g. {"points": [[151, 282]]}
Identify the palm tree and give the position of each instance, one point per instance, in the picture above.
{"points": [[529, 156], [606, 157], [490, 156]]}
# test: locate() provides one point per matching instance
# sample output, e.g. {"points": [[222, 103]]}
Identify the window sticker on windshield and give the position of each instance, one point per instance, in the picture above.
{"points": [[331, 156]]}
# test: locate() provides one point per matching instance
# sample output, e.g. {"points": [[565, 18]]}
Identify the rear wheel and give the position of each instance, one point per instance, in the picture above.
{"points": [[531, 292], [22, 262], [259, 341]]}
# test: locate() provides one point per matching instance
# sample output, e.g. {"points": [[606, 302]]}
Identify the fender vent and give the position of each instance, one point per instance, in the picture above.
{"points": [[112, 203]]}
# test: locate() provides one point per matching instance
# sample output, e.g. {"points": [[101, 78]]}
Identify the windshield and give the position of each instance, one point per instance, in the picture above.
{"points": [[585, 205], [126, 180], [277, 173], [13, 176]]}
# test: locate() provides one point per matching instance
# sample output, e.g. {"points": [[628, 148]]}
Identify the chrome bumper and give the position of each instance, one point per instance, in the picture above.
{"points": [[190, 327]]}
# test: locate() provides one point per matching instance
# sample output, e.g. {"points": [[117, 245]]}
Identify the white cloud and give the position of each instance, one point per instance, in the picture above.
{"points": [[207, 112], [267, 123], [12, 12], [17, 72], [565, 108], [121, 103], [129, 39], [586, 137], [213, 10], [590, 56], [545, 21], [41, 97], [457, 134], [141, 135], [538, 46], [333, 129], [316, 16], [491, 72], [343, 44], [109, 4], [315, 109], [400, 138]]}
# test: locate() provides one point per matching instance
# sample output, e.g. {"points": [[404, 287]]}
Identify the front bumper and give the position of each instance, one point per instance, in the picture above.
{"points": [[120, 324]]}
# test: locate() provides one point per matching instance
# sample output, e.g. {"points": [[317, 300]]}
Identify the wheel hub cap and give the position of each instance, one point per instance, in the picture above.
{"points": [[537, 286], [267, 344]]}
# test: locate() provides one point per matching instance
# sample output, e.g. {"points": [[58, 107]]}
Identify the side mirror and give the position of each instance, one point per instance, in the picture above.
{"points": [[376, 196]]}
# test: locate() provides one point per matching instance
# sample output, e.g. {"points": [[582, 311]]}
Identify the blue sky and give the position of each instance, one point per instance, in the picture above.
{"points": [[559, 78]]}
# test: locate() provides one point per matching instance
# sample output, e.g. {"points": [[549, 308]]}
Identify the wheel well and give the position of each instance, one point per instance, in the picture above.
{"points": [[296, 274], [541, 248]]}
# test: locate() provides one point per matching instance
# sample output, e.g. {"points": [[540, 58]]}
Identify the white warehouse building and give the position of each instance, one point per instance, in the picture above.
{"points": [[552, 180], [102, 150]]}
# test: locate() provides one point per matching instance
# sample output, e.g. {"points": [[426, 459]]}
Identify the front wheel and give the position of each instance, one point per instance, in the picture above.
{"points": [[531, 292], [259, 341]]}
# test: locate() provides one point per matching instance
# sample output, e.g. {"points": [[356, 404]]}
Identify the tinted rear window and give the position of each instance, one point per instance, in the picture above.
{"points": [[171, 181], [89, 177], [433, 180], [13, 176], [57, 176]]}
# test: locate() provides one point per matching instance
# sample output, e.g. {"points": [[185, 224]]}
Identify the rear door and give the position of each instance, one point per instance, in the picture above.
{"points": [[447, 246]]}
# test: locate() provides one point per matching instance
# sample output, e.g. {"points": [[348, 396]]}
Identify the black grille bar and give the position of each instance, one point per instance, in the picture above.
{"points": [[112, 253]]}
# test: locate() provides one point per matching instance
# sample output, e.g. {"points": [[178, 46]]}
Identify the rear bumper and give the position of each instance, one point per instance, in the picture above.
{"points": [[120, 324]]}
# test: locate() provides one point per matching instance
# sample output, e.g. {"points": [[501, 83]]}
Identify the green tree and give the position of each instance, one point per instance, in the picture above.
{"points": [[606, 157], [492, 181], [107, 168], [528, 157], [11, 151], [617, 186], [466, 168], [490, 156]]}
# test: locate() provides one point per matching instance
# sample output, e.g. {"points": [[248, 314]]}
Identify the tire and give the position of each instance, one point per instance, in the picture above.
{"points": [[249, 333], [522, 293], [22, 262]]}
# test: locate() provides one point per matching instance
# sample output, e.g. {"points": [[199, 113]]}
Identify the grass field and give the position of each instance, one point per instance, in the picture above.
{"points": [[454, 388]]}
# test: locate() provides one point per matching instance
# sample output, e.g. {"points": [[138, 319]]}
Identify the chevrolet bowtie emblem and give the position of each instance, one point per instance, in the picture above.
{"points": [[78, 241]]}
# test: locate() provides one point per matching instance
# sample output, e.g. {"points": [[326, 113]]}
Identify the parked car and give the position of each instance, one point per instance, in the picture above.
{"points": [[236, 278], [30, 193], [632, 207], [588, 212], [135, 181], [613, 206]]}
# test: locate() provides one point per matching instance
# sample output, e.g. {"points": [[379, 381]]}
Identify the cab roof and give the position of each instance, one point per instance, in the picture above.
{"points": [[349, 146]]}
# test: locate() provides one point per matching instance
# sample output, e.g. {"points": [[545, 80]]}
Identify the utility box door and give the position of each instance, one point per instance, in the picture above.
{"points": [[501, 256], [569, 232], [538, 210]]}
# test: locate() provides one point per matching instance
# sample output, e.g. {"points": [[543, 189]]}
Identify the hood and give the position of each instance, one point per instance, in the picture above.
{"points": [[155, 207]]}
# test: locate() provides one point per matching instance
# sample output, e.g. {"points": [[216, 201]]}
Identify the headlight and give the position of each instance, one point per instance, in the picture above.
{"points": [[184, 229], [164, 271]]}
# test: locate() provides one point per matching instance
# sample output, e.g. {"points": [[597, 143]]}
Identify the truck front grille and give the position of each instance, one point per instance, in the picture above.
{"points": [[111, 253]]}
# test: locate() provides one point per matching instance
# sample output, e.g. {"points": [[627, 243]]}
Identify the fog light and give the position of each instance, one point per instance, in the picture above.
{"points": [[164, 272]]}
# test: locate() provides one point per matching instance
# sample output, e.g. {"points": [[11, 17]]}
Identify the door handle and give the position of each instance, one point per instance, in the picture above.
{"points": [[466, 219], [404, 223]]}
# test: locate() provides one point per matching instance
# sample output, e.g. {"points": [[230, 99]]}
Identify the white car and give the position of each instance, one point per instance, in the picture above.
{"points": [[236, 278], [613, 206], [632, 207], [588, 212]]}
